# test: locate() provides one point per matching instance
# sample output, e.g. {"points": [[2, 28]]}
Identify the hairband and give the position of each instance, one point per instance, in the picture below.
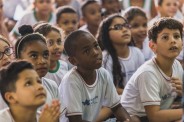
{"points": [[27, 36]]}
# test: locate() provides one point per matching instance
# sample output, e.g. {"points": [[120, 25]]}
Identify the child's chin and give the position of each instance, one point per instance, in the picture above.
{"points": [[41, 103]]}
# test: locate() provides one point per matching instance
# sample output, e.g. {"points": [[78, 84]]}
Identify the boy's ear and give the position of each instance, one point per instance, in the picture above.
{"points": [[10, 97], [73, 60], [152, 45]]}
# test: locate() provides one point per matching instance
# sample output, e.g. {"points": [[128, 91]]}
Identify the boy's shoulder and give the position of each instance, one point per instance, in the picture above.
{"points": [[151, 67], [5, 115], [48, 83], [63, 64]]}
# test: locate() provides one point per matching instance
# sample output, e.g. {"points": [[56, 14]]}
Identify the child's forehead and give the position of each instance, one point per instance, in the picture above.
{"points": [[69, 15], [35, 43], [85, 40], [167, 31], [27, 74], [92, 5]]}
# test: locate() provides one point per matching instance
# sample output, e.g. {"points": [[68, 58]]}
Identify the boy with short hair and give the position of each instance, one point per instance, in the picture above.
{"points": [[156, 84], [110, 7], [166, 8], [42, 11], [22, 90], [91, 11], [67, 19], [86, 87]]}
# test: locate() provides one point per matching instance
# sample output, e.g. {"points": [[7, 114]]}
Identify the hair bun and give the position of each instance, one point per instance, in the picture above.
{"points": [[25, 29]]}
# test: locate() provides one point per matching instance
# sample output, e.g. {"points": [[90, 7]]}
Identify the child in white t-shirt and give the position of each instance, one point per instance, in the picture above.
{"points": [[87, 87], [6, 56], [119, 58], [42, 11], [22, 90], [137, 18], [153, 88], [58, 68], [33, 48]]}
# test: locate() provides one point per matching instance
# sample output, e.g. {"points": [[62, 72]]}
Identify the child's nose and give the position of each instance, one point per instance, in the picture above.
{"points": [[41, 60], [173, 40], [40, 86]]}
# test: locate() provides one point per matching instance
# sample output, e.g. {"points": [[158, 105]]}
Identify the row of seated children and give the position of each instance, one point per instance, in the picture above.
{"points": [[87, 87]]}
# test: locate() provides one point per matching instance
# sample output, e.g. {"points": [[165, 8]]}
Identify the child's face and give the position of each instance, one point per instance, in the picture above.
{"points": [[37, 53], [138, 28], [168, 8], [6, 52], [112, 6], [68, 22], [43, 6], [169, 43], [119, 31], [88, 54], [55, 45], [29, 90], [93, 14]]}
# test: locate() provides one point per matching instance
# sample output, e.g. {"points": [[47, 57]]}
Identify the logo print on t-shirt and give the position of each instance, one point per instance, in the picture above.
{"points": [[90, 101]]}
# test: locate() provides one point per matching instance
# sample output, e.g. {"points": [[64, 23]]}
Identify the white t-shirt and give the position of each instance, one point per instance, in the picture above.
{"points": [[150, 86], [87, 100], [51, 90], [2, 103], [5, 116], [52, 93], [84, 28], [58, 74], [128, 65], [30, 19]]}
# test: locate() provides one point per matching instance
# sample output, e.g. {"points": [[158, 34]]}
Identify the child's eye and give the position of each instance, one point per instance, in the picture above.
{"points": [[177, 36], [66, 22], [86, 51], [135, 25], [46, 55], [34, 56], [28, 83], [50, 43], [97, 46], [74, 22], [59, 42], [145, 25], [165, 37]]}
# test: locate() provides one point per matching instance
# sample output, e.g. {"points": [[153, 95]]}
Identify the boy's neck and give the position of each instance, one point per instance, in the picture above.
{"points": [[18, 114], [40, 17], [165, 65], [92, 29], [89, 76], [122, 50]]}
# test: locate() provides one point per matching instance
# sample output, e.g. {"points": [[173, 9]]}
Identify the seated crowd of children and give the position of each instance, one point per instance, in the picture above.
{"points": [[93, 61]]}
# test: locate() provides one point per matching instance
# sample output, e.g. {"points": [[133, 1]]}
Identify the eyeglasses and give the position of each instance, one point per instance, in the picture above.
{"points": [[120, 26], [8, 51]]}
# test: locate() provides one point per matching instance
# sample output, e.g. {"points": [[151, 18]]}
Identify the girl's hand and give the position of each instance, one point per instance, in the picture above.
{"points": [[50, 113]]}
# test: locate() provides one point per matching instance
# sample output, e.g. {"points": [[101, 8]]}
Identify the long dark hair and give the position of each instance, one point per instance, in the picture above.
{"points": [[106, 44]]}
